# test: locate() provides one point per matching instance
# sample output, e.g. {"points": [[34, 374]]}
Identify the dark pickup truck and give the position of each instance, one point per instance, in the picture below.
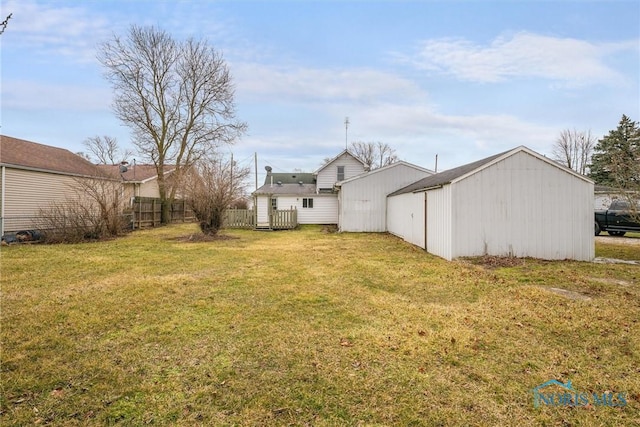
{"points": [[618, 219]]}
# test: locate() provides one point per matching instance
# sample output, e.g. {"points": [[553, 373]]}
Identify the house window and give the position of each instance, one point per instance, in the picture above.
{"points": [[307, 203], [340, 173], [274, 204]]}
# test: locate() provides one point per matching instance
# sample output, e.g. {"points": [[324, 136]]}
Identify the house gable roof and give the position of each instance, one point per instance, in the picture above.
{"points": [[384, 168], [290, 178], [286, 189], [342, 153], [138, 173], [22, 154], [464, 171]]}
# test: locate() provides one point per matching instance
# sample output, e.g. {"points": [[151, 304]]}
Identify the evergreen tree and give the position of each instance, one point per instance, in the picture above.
{"points": [[616, 161]]}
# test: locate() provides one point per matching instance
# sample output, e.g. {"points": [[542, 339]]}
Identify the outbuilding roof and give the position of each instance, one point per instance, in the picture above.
{"points": [[451, 175], [22, 154]]}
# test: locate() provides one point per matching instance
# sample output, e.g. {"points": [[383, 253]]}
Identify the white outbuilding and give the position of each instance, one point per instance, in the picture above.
{"points": [[516, 203], [362, 199]]}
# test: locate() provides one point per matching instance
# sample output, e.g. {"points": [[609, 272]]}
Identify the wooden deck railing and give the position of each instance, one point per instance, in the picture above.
{"points": [[239, 218], [279, 219], [283, 219]]}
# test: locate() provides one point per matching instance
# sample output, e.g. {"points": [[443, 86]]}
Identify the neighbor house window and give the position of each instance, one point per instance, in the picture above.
{"points": [[307, 203], [340, 173], [274, 204]]}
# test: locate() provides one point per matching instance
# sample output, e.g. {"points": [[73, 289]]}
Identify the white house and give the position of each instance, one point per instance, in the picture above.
{"points": [[312, 195], [516, 203], [362, 200]]}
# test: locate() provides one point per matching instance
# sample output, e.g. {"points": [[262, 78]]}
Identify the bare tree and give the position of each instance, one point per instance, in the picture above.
{"points": [[574, 149], [105, 150], [214, 185], [176, 96], [3, 24], [374, 154]]}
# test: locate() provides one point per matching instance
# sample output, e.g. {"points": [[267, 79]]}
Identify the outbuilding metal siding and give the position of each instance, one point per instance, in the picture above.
{"points": [[439, 221], [363, 199], [405, 217], [517, 203], [522, 206]]}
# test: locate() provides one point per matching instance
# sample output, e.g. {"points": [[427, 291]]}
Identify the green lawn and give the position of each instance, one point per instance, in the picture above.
{"points": [[307, 327]]}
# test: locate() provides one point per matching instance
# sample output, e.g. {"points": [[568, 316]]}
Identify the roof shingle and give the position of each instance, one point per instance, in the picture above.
{"points": [[31, 155]]}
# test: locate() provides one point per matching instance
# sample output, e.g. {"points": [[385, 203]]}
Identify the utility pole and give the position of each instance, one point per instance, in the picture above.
{"points": [[255, 160], [346, 132]]}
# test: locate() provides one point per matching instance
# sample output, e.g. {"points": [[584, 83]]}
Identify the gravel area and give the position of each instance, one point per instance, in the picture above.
{"points": [[616, 240]]}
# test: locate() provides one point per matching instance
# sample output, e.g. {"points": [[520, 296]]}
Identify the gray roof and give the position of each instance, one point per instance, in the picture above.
{"points": [[287, 189], [447, 176], [290, 178]]}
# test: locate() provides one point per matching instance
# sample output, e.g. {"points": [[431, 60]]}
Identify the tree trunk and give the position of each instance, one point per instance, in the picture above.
{"points": [[165, 212]]}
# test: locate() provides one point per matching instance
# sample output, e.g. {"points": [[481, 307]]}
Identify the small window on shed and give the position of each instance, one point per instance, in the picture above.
{"points": [[274, 204], [340, 173], [307, 203]]}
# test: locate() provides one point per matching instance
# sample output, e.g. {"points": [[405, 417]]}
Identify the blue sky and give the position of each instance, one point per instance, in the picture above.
{"points": [[461, 79]]}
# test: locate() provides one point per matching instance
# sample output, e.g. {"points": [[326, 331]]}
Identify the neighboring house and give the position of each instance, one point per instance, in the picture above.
{"points": [[312, 195], [139, 180], [362, 199], [516, 203], [33, 176], [604, 196]]}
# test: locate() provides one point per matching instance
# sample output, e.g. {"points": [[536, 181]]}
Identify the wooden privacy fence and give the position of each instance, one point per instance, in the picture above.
{"points": [[147, 212]]}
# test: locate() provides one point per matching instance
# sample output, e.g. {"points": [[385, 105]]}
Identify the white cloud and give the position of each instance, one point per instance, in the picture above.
{"points": [[67, 31], [307, 84], [571, 61], [485, 129]]}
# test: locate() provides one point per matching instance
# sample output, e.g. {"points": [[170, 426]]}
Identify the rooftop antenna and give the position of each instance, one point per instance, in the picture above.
{"points": [[346, 131]]}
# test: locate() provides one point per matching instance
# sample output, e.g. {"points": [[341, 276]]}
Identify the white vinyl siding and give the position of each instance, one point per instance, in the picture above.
{"points": [[327, 176], [26, 192], [325, 208], [149, 189], [363, 200]]}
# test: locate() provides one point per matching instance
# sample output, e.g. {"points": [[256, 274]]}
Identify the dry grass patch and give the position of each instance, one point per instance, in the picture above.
{"points": [[305, 327]]}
